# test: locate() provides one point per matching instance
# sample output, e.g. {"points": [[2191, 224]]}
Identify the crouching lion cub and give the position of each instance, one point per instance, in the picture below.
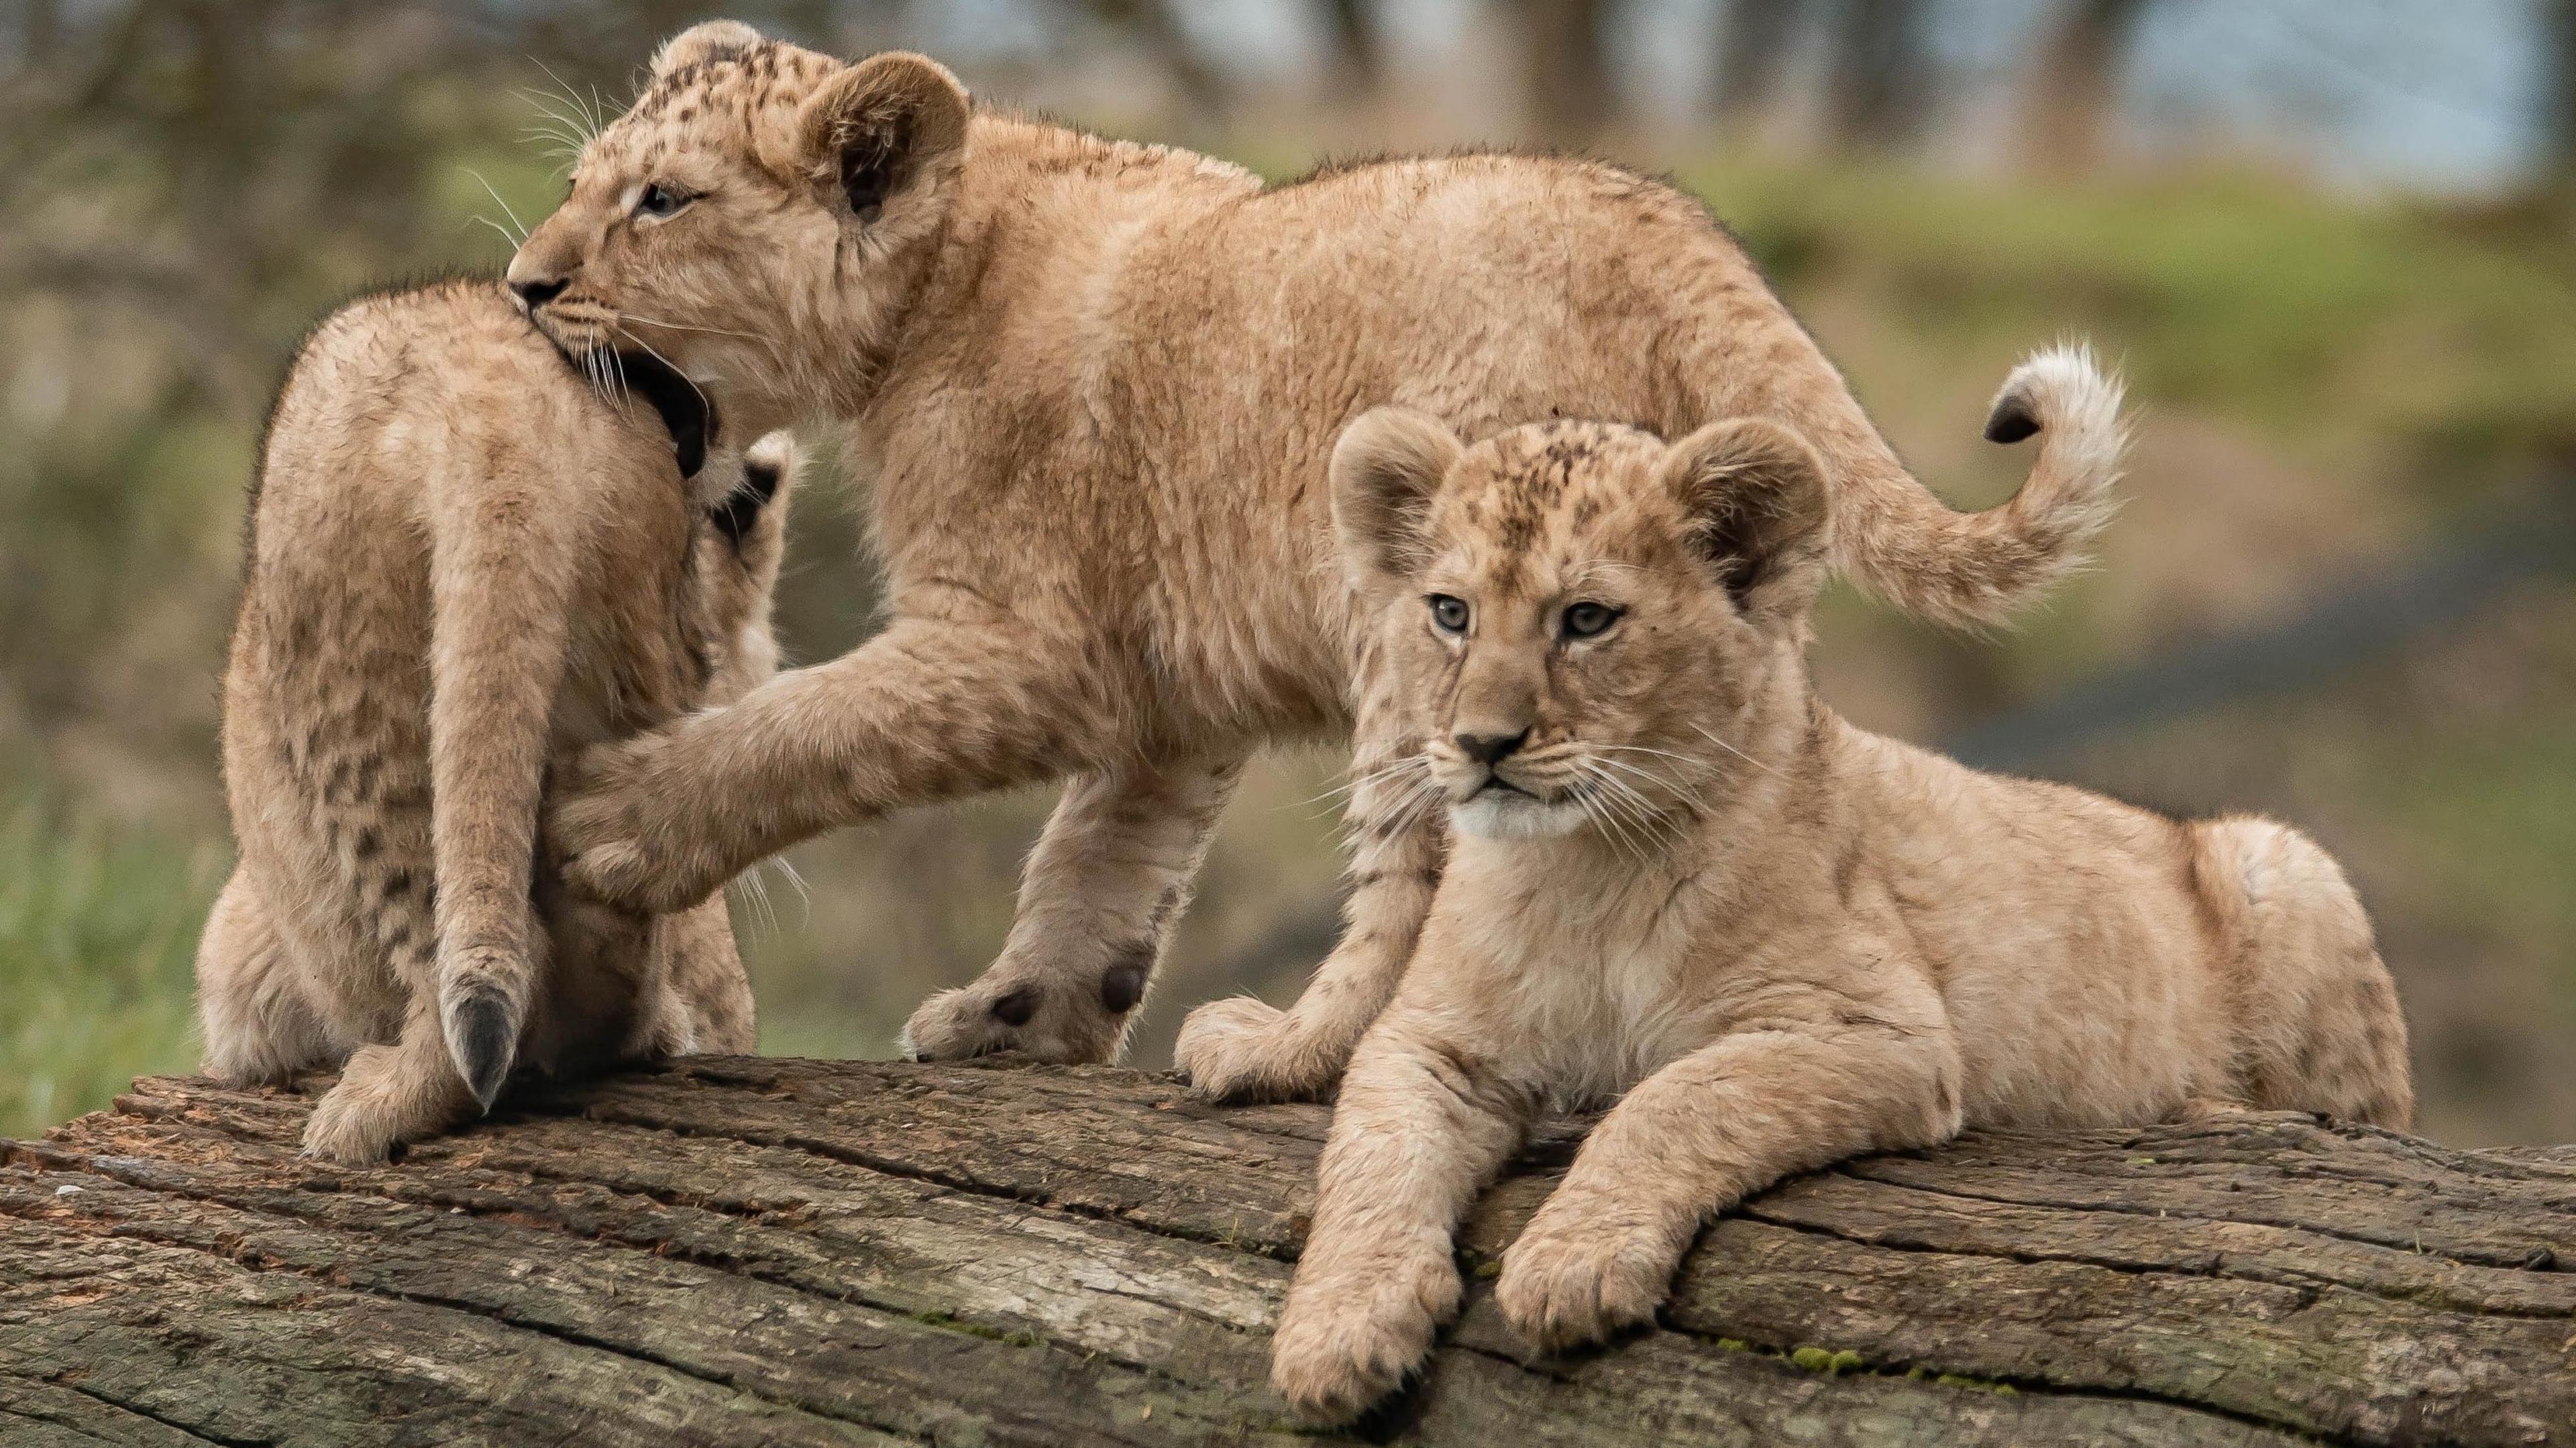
{"points": [[466, 562], [1678, 881]]}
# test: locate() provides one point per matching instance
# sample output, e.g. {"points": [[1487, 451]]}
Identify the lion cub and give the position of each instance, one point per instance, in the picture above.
{"points": [[1680, 883], [468, 560]]}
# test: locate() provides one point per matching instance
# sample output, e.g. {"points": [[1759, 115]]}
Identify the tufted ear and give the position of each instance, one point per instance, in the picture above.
{"points": [[705, 41], [1755, 494], [1384, 472], [877, 131]]}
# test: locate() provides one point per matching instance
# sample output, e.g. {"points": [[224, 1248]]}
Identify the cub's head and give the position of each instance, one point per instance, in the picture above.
{"points": [[757, 219], [1581, 624]]}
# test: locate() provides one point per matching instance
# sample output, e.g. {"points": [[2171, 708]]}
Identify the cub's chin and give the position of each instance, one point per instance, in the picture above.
{"points": [[1504, 814]]}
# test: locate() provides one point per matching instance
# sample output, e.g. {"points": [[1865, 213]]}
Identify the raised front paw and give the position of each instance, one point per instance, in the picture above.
{"points": [[1072, 1015], [1564, 1285], [614, 823], [1240, 1049], [1345, 1343]]}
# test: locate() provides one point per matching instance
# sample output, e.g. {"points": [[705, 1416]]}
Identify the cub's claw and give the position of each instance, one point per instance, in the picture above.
{"points": [[1563, 1287], [612, 825], [1342, 1347], [1241, 1049]]}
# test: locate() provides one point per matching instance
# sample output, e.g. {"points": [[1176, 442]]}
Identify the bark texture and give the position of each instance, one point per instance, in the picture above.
{"points": [[738, 1251]]}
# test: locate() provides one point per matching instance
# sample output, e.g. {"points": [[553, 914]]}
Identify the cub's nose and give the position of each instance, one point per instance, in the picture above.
{"points": [[1488, 748], [535, 292]]}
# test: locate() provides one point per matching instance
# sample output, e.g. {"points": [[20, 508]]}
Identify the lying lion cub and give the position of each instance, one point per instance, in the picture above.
{"points": [[467, 561], [1681, 883]]}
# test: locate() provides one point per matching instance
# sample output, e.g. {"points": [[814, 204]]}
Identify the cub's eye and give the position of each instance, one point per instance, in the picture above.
{"points": [[1583, 620], [1449, 613], [660, 200]]}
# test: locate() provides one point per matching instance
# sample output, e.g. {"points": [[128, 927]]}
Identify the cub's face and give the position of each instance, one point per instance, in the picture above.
{"points": [[1575, 619], [755, 221]]}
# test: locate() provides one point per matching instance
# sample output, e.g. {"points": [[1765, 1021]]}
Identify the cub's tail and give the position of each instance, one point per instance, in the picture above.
{"points": [[1898, 540]]}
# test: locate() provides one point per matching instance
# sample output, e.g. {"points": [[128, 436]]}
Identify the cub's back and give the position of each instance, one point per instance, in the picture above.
{"points": [[407, 418]]}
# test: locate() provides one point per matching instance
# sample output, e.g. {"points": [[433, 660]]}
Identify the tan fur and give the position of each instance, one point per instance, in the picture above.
{"points": [[464, 566], [1097, 382], [1679, 883]]}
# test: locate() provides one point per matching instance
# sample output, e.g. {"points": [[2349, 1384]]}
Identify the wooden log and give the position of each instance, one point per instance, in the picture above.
{"points": [[736, 1251]]}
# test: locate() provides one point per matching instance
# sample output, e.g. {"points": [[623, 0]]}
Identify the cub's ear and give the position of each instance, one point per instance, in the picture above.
{"points": [[1385, 468], [705, 41], [1755, 494], [883, 132]]}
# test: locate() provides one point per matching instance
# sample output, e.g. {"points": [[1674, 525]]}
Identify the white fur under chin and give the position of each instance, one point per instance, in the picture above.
{"points": [[1496, 815]]}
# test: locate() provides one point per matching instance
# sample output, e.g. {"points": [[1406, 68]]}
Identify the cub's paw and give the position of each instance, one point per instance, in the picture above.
{"points": [[1240, 1049], [1073, 1016], [1344, 1345], [1566, 1286], [359, 1121], [614, 826]]}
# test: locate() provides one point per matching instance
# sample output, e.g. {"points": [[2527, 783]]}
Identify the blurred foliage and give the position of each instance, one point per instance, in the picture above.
{"points": [[98, 927]]}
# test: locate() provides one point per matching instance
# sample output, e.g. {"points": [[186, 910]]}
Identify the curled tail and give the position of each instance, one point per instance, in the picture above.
{"points": [[1901, 542]]}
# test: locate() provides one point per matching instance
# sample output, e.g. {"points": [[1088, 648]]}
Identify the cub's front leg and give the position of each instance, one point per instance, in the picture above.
{"points": [[1102, 891], [928, 710], [1245, 1050], [1768, 1100], [1419, 1129]]}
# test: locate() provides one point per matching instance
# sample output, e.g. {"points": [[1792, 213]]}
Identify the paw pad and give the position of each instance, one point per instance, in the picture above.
{"points": [[1018, 1008], [1122, 987]]}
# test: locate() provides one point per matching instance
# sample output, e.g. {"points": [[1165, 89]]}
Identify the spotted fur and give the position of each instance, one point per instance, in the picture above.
{"points": [[1096, 383], [465, 565], [1771, 939]]}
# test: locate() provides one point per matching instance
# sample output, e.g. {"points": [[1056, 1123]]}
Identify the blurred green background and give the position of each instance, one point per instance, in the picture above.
{"points": [[2330, 243]]}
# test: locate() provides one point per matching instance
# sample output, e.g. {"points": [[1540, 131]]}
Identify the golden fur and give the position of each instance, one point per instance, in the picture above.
{"points": [[464, 566], [1097, 383], [1679, 883]]}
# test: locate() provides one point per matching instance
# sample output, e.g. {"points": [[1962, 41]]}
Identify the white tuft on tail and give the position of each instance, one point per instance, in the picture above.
{"points": [[2073, 405]]}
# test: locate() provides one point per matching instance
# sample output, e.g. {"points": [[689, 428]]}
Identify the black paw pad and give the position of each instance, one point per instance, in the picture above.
{"points": [[1122, 987], [1018, 1008]]}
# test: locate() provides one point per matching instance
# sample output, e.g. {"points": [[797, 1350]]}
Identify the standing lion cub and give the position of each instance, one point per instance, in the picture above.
{"points": [[467, 561], [1681, 883]]}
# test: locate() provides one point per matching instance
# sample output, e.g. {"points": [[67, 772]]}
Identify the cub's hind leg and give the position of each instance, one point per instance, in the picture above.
{"points": [[2314, 1014], [706, 1007], [258, 1025], [391, 1094], [1098, 901]]}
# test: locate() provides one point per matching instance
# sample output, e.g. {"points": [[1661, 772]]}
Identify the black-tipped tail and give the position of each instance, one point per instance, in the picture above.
{"points": [[2012, 420], [483, 1037]]}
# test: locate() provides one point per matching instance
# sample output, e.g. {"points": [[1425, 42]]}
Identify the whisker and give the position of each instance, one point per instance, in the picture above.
{"points": [[1740, 754], [685, 327], [514, 242], [572, 95], [665, 361], [504, 204]]}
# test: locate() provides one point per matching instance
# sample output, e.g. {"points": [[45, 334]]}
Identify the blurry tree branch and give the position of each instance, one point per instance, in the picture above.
{"points": [[1754, 45], [1877, 85], [1564, 69], [1358, 54], [2074, 83]]}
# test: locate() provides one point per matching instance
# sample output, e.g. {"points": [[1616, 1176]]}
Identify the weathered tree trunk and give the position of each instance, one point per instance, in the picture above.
{"points": [[742, 1251]]}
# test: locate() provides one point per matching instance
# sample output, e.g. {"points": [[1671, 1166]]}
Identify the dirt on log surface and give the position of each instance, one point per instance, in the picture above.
{"points": [[738, 1251]]}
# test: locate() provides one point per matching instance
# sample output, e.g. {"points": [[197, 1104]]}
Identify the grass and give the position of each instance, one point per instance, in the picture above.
{"points": [[98, 933]]}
